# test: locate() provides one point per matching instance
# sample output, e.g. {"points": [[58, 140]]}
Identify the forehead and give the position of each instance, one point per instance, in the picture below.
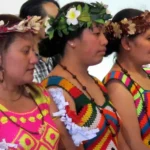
{"points": [[21, 40], [51, 9]]}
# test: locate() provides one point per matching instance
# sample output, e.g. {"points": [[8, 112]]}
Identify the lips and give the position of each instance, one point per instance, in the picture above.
{"points": [[31, 69], [102, 51]]}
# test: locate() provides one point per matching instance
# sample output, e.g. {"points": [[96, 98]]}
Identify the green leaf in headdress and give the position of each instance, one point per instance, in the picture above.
{"points": [[51, 34], [60, 33], [79, 8], [103, 11], [85, 8], [95, 10], [89, 24], [81, 24], [107, 16], [100, 21], [65, 31], [72, 28], [85, 17]]}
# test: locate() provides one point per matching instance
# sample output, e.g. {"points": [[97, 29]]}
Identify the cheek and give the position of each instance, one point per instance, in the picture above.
{"points": [[14, 64]]}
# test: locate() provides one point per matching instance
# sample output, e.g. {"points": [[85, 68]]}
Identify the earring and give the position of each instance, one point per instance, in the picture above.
{"points": [[1, 74], [72, 44]]}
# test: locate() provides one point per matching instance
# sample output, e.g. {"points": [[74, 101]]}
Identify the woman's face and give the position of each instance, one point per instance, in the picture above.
{"points": [[19, 60], [140, 48], [92, 45]]}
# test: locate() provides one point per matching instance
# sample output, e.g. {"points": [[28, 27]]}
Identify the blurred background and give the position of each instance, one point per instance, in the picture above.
{"points": [[100, 70]]}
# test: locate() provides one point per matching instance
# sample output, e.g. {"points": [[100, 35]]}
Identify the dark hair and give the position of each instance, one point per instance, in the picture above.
{"points": [[34, 7], [114, 45], [7, 38], [57, 44]]}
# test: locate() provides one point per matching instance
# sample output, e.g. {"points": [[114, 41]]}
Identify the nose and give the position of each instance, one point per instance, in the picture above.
{"points": [[33, 58]]}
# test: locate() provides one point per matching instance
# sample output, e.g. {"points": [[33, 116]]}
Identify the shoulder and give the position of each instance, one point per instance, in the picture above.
{"points": [[39, 92]]}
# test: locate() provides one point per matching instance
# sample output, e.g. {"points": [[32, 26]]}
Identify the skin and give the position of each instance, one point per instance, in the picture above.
{"points": [[80, 53], [23, 57], [132, 56], [18, 62]]}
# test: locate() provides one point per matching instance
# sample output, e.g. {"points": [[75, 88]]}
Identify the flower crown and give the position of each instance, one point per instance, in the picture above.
{"points": [[77, 17], [127, 27], [32, 24]]}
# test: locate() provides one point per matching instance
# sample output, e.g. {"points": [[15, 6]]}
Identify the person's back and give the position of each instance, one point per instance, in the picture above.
{"points": [[45, 9]]}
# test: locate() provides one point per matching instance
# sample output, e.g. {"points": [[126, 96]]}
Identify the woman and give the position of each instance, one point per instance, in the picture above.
{"points": [[77, 35], [128, 83], [25, 121]]}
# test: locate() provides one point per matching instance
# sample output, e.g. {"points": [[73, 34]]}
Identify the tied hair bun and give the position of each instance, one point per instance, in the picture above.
{"points": [[49, 48]]}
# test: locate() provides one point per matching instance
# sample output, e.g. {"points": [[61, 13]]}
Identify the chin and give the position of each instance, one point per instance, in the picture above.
{"points": [[28, 81], [96, 62]]}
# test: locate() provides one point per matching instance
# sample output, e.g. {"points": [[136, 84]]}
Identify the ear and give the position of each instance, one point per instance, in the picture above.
{"points": [[71, 43], [125, 43]]}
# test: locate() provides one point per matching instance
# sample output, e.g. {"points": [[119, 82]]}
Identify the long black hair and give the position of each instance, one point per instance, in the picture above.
{"points": [[56, 46]]}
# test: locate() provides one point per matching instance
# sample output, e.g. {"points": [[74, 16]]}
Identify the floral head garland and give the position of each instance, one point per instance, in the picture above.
{"points": [[32, 24], [128, 27], [77, 17]]}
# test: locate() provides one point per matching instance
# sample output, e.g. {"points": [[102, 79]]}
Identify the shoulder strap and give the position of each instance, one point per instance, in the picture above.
{"points": [[63, 83], [79, 98], [147, 70], [122, 78]]}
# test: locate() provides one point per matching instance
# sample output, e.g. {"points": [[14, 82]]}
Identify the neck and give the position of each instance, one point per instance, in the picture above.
{"points": [[130, 65], [10, 92], [75, 67]]}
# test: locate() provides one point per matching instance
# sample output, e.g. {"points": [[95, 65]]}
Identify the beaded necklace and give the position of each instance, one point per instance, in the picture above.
{"points": [[92, 99]]}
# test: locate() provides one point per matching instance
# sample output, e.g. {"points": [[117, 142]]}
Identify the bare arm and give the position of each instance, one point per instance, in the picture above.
{"points": [[67, 143], [122, 145], [124, 103]]}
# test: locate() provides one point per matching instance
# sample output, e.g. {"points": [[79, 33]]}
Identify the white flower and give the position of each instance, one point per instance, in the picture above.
{"points": [[21, 26], [117, 30], [34, 23], [1, 23], [46, 24], [72, 16], [131, 26]]}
